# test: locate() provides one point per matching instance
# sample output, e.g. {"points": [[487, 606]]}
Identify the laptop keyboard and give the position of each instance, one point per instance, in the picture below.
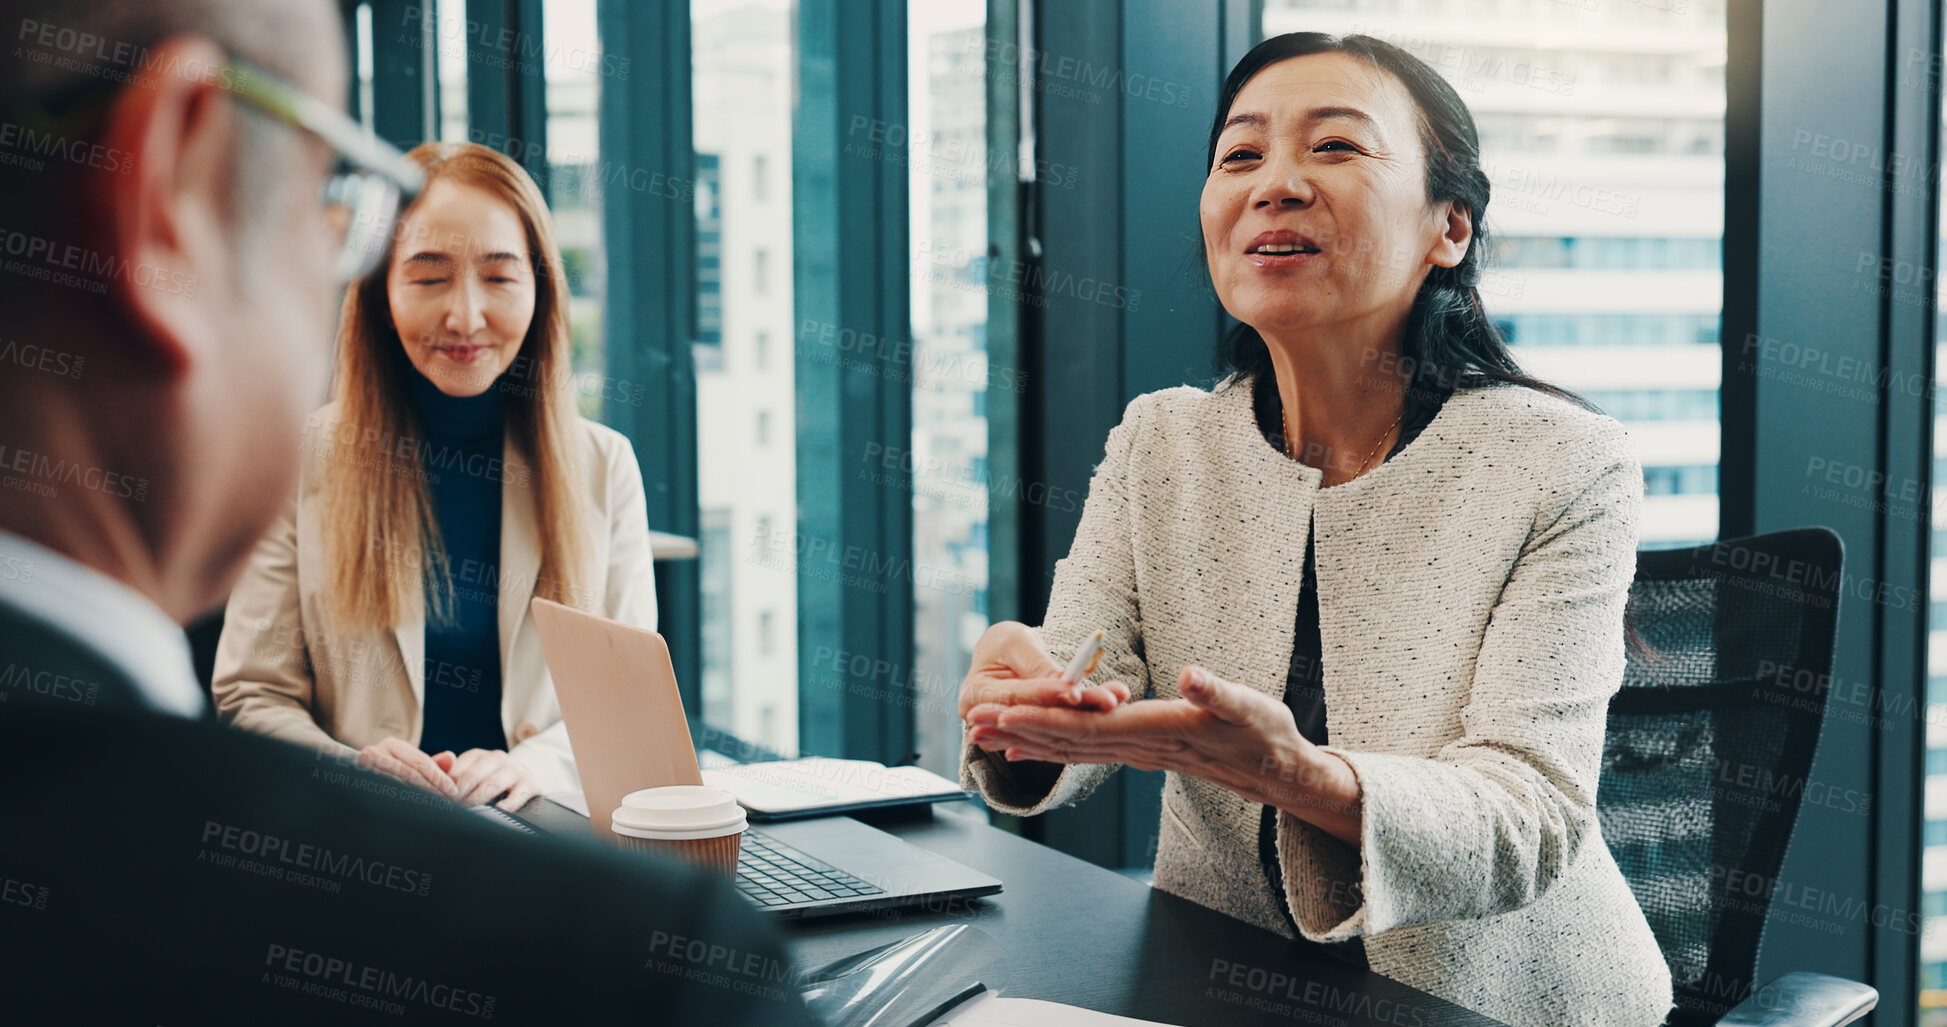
{"points": [[771, 873], [503, 818]]}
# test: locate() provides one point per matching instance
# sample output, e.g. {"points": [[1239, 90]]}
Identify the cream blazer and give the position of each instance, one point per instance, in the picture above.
{"points": [[1471, 593], [278, 673]]}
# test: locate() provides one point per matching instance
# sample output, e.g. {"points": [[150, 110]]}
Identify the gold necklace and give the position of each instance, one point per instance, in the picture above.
{"points": [[1284, 415]]}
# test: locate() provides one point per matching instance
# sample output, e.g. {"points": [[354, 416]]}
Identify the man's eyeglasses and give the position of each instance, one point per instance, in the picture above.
{"points": [[372, 182]]}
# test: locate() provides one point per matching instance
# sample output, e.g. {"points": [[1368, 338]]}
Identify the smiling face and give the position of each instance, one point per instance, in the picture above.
{"points": [[461, 286], [1315, 212]]}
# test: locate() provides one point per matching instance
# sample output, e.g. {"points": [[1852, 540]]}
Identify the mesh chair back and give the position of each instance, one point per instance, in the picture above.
{"points": [[1710, 742]]}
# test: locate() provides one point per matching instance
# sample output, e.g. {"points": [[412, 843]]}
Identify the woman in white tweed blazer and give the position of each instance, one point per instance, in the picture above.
{"points": [[1466, 627]]}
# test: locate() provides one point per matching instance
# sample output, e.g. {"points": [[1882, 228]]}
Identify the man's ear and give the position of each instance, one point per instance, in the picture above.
{"points": [[162, 225], [1458, 234]]}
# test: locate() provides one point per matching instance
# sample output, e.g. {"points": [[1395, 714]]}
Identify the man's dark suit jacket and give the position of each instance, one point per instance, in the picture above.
{"points": [[160, 871]]}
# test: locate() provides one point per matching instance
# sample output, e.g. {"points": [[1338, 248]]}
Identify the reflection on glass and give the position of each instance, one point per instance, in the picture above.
{"points": [[1602, 129], [362, 56], [449, 51], [948, 194], [746, 477], [1933, 861], [572, 68]]}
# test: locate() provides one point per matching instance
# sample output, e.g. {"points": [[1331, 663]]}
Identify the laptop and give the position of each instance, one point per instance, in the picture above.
{"points": [[628, 731]]}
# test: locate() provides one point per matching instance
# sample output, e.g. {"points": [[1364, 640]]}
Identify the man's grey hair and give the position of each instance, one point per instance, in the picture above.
{"points": [[60, 48]]}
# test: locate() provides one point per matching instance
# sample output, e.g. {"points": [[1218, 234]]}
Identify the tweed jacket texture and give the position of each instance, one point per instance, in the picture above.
{"points": [[1471, 596]]}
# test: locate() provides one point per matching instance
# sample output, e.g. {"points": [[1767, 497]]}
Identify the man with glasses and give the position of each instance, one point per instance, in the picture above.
{"points": [[176, 224]]}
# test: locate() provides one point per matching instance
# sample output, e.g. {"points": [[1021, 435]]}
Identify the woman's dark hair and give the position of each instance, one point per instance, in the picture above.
{"points": [[1450, 342]]}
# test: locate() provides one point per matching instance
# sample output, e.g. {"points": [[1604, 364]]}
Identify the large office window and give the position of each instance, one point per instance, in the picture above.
{"points": [[359, 31], [1603, 128], [535, 79], [743, 62], [1602, 131], [1933, 862], [575, 186], [951, 169], [449, 55]]}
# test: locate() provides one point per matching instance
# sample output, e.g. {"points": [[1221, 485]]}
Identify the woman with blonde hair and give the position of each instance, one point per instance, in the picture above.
{"points": [[449, 481]]}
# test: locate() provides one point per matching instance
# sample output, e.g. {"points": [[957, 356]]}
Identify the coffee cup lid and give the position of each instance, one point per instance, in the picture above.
{"points": [[678, 812]]}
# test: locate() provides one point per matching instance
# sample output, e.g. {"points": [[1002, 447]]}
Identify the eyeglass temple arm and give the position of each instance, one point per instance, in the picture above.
{"points": [[285, 101]]}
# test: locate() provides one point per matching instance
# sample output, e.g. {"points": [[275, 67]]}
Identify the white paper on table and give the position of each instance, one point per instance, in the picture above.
{"points": [[989, 1009], [790, 785], [710, 759]]}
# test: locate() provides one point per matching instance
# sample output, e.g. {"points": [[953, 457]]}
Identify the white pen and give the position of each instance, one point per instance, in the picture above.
{"points": [[1083, 664]]}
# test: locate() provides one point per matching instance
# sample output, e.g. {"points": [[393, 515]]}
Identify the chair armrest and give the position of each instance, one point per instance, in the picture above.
{"points": [[1803, 1000]]}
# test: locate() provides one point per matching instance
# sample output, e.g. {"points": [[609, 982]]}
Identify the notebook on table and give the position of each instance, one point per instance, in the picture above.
{"points": [[821, 786]]}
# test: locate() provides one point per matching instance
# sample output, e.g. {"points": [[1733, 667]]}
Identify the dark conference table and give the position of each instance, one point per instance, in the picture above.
{"points": [[1073, 932]]}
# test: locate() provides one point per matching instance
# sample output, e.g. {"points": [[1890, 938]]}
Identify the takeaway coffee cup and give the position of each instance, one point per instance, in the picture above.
{"points": [[697, 823]]}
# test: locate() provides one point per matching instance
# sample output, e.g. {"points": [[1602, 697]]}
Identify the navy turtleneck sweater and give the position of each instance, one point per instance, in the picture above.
{"points": [[463, 442]]}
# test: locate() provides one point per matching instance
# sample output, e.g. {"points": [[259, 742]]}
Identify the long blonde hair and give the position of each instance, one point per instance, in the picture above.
{"points": [[381, 541]]}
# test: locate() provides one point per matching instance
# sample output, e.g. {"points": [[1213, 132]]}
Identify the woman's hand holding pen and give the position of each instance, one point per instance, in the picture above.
{"points": [[1010, 668], [1219, 731]]}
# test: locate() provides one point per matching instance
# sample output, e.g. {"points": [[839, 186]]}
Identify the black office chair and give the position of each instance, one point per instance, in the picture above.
{"points": [[1709, 744]]}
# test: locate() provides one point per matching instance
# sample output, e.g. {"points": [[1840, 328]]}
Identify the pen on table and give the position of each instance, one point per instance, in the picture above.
{"points": [[1083, 665]]}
